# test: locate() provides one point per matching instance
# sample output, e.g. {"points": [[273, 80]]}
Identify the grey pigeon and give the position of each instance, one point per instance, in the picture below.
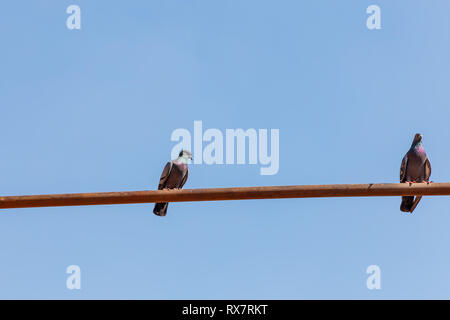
{"points": [[415, 168], [174, 176]]}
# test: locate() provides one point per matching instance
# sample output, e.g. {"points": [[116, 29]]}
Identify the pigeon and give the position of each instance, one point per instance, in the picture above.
{"points": [[174, 176], [415, 168]]}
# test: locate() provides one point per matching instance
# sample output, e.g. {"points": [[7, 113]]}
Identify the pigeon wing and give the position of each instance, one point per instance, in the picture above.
{"points": [[403, 168], [427, 170], [165, 175]]}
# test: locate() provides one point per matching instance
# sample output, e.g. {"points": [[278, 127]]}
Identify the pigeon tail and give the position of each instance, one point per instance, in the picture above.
{"points": [[416, 202], [160, 209], [407, 203]]}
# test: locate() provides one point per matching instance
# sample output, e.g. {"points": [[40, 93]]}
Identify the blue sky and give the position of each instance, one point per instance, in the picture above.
{"points": [[92, 110]]}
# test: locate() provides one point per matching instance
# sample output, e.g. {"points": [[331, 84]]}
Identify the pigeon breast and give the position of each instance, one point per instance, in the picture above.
{"points": [[416, 165], [176, 175]]}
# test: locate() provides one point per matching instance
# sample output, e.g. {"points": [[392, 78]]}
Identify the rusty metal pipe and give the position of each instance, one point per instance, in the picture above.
{"points": [[216, 194]]}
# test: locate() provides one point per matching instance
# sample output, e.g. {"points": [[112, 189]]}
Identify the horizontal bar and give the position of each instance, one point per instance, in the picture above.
{"points": [[241, 193]]}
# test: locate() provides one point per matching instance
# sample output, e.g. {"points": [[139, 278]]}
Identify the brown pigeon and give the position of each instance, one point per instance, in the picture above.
{"points": [[415, 168], [174, 176]]}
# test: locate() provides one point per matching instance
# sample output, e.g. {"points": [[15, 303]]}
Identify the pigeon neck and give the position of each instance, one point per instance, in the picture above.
{"points": [[416, 145], [182, 160]]}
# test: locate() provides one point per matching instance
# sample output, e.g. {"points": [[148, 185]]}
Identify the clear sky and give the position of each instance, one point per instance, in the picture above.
{"points": [[93, 110]]}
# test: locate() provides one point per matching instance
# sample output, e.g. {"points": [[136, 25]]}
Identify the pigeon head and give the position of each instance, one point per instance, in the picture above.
{"points": [[417, 139], [186, 154]]}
